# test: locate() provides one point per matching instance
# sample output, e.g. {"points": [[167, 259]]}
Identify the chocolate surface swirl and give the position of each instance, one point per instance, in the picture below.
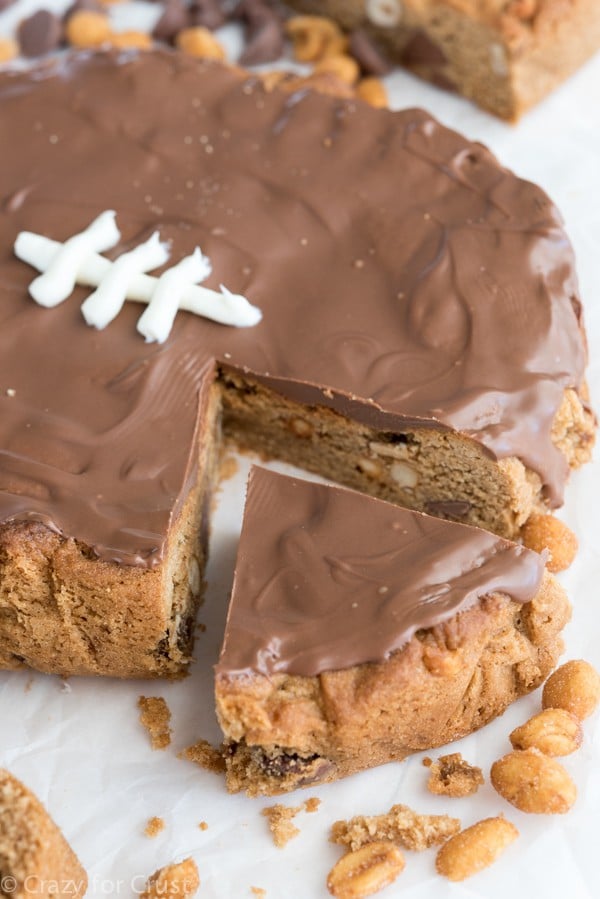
{"points": [[326, 578], [404, 277]]}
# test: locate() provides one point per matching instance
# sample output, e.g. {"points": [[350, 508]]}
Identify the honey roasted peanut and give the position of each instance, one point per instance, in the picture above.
{"points": [[315, 37], [542, 532], [365, 871], [534, 783], [87, 29], [372, 91], [554, 732], [475, 848], [343, 67], [575, 687], [200, 42]]}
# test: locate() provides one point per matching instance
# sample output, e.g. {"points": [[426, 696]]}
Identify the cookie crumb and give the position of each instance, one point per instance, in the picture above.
{"points": [[176, 881], [155, 717], [206, 755], [203, 825], [154, 827], [452, 776], [228, 468], [280, 823], [400, 825], [312, 804], [258, 891]]}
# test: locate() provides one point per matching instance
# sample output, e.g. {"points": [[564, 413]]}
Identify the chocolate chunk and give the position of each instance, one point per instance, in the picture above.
{"points": [[449, 508], [206, 14], [174, 19], [368, 54], [4, 4], [39, 33], [265, 42], [422, 51]]}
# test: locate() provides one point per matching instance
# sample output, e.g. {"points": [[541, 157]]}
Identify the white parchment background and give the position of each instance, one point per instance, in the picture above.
{"points": [[80, 748]]}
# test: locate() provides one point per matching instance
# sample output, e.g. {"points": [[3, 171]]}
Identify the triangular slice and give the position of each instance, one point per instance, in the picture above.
{"points": [[359, 632]]}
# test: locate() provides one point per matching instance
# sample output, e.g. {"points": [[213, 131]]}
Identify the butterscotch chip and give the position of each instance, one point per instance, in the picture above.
{"points": [[542, 532], [475, 848], [9, 49], [206, 755], [154, 827], [343, 67], [575, 687], [200, 42], [279, 818], [87, 29], [400, 825], [314, 37], [372, 91], [554, 732], [452, 776], [534, 783], [125, 40], [155, 717], [173, 881], [365, 871]]}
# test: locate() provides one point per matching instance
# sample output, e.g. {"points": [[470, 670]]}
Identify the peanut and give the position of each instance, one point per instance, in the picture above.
{"points": [[315, 37], [87, 29], [372, 91], [475, 848], [534, 783], [200, 42], [8, 49], [547, 532], [343, 67], [365, 871], [553, 732], [575, 687]]}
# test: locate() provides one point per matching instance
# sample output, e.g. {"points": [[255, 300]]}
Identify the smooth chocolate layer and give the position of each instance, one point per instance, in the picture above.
{"points": [[404, 277], [327, 578]]}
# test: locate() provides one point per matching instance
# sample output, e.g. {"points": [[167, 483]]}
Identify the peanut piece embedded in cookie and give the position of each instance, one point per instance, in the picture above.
{"points": [[155, 717], [575, 687], [400, 825], [475, 848], [554, 732], [534, 783], [372, 91], [365, 871], [452, 776], [542, 532], [176, 881]]}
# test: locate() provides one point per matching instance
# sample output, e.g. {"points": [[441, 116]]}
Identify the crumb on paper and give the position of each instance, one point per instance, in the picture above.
{"points": [[201, 628], [154, 827], [258, 891], [312, 804], [452, 776], [203, 825], [155, 717], [228, 467], [206, 755], [176, 881], [280, 819], [400, 825]]}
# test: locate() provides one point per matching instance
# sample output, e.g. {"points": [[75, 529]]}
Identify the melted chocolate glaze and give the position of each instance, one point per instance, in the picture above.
{"points": [[327, 578], [404, 276]]}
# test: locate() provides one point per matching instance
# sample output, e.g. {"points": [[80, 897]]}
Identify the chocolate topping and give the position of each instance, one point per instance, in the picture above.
{"points": [[327, 578], [405, 278]]}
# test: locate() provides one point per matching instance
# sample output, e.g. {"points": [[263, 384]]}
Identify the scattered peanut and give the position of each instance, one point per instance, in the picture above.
{"points": [[553, 732], [547, 532], [8, 49], [534, 783], [200, 42], [125, 40], [575, 687], [372, 91], [315, 37], [87, 29], [343, 67], [475, 848], [365, 871]]}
